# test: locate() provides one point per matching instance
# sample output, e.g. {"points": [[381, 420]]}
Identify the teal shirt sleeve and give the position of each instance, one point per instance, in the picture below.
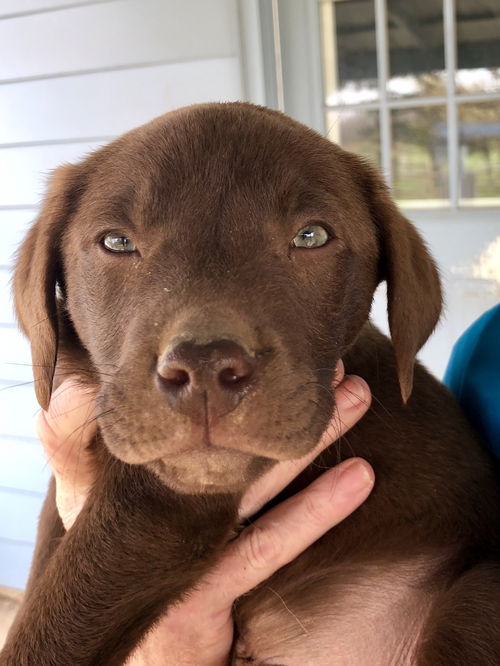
{"points": [[473, 375]]}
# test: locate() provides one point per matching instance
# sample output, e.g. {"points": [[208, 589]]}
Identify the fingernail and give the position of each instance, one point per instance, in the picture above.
{"points": [[355, 391], [355, 475], [338, 374]]}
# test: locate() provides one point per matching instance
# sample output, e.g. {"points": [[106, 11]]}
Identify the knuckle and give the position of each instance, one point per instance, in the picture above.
{"points": [[354, 396], [46, 433], [360, 392], [317, 512], [261, 547]]}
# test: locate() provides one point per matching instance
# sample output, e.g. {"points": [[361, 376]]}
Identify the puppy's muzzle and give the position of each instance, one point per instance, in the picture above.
{"points": [[206, 381]]}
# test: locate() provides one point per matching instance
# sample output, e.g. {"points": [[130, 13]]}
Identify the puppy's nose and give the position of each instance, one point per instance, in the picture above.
{"points": [[205, 381]]}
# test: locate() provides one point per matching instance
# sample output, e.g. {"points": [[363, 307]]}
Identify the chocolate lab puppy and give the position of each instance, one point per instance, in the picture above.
{"points": [[206, 272]]}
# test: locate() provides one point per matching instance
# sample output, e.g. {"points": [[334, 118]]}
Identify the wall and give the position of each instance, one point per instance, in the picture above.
{"points": [[72, 76]]}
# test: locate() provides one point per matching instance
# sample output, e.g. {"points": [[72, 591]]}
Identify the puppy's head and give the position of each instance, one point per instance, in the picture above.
{"points": [[212, 267]]}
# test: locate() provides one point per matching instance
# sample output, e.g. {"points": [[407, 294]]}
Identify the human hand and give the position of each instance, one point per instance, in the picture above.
{"points": [[199, 630]]}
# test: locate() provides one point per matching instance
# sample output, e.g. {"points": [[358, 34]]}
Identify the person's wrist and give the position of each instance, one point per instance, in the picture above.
{"points": [[65, 431], [187, 635]]}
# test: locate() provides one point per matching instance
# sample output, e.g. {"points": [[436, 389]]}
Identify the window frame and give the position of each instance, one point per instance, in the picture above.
{"points": [[291, 61]]}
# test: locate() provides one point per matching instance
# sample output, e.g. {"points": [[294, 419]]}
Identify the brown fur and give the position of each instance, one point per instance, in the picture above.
{"points": [[213, 196]]}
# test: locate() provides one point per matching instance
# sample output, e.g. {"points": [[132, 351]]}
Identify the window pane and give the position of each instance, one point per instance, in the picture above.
{"points": [[478, 49], [479, 135], [348, 51], [416, 50], [357, 131], [419, 157]]}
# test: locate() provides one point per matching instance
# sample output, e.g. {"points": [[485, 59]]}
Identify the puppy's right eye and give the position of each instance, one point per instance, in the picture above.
{"points": [[117, 243], [312, 236]]}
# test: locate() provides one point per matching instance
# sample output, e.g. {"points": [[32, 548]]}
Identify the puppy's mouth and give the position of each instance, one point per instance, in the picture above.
{"points": [[215, 470], [216, 455], [212, 463]]}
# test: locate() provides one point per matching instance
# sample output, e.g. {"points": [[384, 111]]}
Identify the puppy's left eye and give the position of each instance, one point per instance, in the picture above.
{"points": [[117, 243], [314, 235]]}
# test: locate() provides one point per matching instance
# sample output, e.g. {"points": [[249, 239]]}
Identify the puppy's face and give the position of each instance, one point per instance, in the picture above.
{"points": [[215, 264]]}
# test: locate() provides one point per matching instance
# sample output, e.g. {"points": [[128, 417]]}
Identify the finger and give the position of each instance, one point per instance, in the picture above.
{"points": [[352, 400], [288, 529], [68, 426], [339, 373]]}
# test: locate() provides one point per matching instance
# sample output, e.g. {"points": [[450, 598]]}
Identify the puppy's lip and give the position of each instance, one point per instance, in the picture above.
{"points": [[210, 450], [201, 462], [213, 449]]}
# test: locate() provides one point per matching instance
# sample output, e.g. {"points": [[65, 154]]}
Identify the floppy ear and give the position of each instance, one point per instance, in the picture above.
{"points": [[36, 273], [414, 297]]}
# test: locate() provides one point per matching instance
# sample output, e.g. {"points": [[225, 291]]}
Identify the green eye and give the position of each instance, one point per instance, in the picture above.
{"points": [[116, 243], [314, 235]]}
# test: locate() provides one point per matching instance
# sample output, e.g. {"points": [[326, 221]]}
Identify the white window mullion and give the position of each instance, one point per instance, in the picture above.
{"points": [[450, 53], [314, 32], [383, 75], [278, 56], [251, 52]]}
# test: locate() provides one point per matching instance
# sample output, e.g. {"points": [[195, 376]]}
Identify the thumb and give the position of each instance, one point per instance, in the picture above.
{"points": [[67, 427]]}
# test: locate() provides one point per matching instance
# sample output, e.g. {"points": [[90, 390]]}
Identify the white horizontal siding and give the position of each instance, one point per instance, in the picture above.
{"points": [[107, 110], [13, 227], [17, 7], [6, 309], [24, 171], [15, 560], [116, 34], [19, 411], [19, 511], [28, 471], [15, 359]]}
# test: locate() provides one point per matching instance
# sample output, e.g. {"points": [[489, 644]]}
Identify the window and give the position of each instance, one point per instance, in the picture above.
{"points": [[415, 87]]}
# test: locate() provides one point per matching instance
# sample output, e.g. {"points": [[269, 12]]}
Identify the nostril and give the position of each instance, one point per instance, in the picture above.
{"points": [[235, 376], [218, 374], [174, 377]]}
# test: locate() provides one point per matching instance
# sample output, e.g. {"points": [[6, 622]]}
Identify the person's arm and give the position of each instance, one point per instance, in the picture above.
{"points": [[473, 375], [199, 631]]}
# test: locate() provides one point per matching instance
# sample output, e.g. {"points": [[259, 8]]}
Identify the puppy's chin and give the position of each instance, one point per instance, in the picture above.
{"points": [[209, 471]]}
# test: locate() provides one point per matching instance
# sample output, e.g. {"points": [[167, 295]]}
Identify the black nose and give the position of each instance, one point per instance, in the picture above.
{"points": [[206, 381]]}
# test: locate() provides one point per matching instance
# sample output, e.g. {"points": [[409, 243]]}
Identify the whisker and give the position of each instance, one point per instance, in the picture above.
{"points": [[84, 425], [32, 381], [80, 427], [268, 587], [11, 386], [50, 365], [389, 425]]}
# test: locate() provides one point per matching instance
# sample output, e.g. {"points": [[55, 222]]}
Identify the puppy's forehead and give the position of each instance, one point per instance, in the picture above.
{"points": [[220, 161]]}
